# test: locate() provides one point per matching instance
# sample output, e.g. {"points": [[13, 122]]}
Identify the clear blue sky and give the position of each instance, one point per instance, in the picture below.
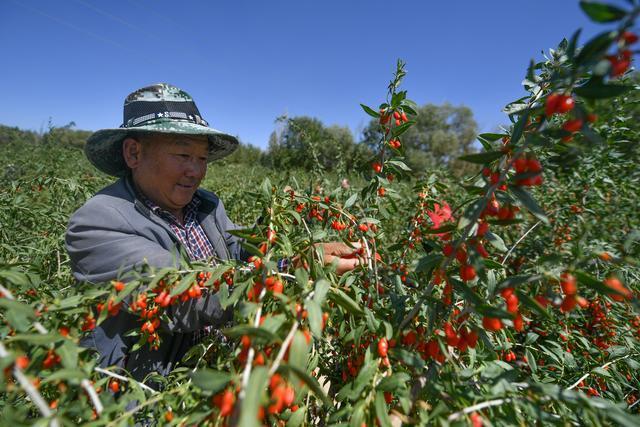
{"points": [[247, 62]]}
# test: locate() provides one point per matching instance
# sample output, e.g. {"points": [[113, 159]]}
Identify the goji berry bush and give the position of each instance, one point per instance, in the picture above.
{"points": [[507, 298]]}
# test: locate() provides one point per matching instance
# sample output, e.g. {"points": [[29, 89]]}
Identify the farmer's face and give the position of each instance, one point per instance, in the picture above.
{"points": [[167, 169]]}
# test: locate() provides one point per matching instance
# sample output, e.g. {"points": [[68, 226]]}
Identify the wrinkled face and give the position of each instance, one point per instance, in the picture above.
{"points": [[167, 168]]}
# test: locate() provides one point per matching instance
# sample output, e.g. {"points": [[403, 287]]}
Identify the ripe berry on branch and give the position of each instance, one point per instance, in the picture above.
{"points": [[383, 347]]}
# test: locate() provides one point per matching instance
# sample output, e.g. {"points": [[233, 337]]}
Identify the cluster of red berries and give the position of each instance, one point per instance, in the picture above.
{"points": [[282, 395], [530, 166], [621, 61], [511, 300], [398, 116], [462, 339], [51, 359], [467, 271]]}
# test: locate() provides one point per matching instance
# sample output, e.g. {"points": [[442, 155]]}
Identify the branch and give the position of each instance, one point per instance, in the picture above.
{"points": [[283, 349], [477, 407], [122, 378], [519, 240]]}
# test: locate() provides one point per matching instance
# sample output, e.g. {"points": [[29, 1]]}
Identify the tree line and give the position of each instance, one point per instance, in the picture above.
{"points": [[441, 134]]}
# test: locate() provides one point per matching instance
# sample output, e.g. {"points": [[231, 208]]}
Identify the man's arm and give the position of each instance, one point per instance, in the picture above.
{"points": [[103, 244]]}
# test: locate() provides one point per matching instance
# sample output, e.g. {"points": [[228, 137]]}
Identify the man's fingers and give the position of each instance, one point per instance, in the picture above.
{"points": [[346, 264], [341, 249]]}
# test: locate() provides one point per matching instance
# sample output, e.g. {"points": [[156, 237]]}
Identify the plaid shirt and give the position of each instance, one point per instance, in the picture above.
{"points": [[190, 233]]}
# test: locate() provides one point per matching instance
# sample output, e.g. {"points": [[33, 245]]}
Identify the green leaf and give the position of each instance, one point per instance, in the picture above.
{"points": [[491, 311], [593, 283], [246, 234], [315, 317], [255, 389], [68, 353], [482, 158], [266, 189], [518, 280], [518, 128], [442, 229], [469, 294], [320, 292], [400, 165], [399, 130], [532, 304], [210, 380], [310, 381], [260, 334], [428, 262], [186, 282], [65, 374], [596, 47], [345, 301], [600, 12], [407, 357], [471, 213], [129, 287], [529, 202], [18, 314], [531, 361], [299, 351], [370, 111], [351, 200], [595, 88], [382, 412], [495, 241], [395, 381], [36, 339]]}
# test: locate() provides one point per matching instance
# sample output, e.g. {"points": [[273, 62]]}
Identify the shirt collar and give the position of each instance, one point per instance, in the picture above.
{"points": [[189, 210]]}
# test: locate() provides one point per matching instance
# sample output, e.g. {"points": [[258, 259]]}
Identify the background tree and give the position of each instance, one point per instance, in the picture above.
{"points": [[306, 143], [441, 134]]}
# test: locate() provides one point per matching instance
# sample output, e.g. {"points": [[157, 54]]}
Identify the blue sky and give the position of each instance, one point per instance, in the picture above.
{"points": [[248, 62]]}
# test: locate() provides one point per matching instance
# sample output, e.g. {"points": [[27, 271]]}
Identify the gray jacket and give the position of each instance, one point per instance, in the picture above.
{"points": [[114, 232]]}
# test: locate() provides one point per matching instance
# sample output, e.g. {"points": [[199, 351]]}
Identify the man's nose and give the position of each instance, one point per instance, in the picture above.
{"points": [[196, 168]]}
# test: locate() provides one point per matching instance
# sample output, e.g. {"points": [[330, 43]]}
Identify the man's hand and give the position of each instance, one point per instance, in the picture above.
{"points": [[348, 257]]}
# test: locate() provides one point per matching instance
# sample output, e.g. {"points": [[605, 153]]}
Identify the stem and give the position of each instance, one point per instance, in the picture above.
{"points": [[283, 349], [519, 240], [574, 385], [247, 367], [86, 385], [477, 407], [122, 378]]}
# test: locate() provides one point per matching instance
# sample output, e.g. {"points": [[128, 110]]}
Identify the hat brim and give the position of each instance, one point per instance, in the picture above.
{"points": [[104, 147]]}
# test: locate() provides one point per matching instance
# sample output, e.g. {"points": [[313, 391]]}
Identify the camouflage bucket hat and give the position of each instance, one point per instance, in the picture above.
{"points": [[160, 108]]}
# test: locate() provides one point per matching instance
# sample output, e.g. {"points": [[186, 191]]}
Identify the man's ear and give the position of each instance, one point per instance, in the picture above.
{"points": [[132, 152]]}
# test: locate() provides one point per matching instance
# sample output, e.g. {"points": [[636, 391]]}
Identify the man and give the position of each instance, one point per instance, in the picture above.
{"points": [[154, 213]]}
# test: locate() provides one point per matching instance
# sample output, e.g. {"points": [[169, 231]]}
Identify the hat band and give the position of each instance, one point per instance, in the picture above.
{"points": [[140, 112], [179, 115]]}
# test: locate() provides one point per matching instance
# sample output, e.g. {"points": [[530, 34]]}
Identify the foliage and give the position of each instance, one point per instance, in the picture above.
{"points": [[440, 135], [304, 142], [502, 299]]}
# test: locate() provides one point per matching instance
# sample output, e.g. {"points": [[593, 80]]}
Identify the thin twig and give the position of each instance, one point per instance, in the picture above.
{"points": [[122, 378], [247, 366], [477, 407], [283, 349], [574, 385], [519, 240], [97, 404]]}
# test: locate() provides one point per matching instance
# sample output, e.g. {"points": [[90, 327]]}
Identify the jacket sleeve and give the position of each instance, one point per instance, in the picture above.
{"points": [[102, 245]]}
